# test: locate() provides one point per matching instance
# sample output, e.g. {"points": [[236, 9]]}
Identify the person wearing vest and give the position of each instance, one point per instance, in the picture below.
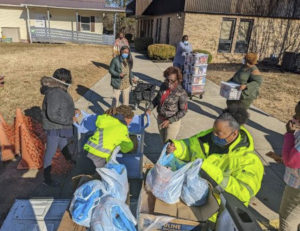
{"points": [[249, 77], [120, 70], [112, 131], [228, 155]]}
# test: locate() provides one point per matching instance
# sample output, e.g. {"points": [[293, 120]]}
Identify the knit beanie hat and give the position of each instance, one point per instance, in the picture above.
{"points": [[251, 58]]}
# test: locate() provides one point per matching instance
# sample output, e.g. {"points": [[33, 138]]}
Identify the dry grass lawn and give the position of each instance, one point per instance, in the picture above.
{"points": [[24, 64], [279, 92]]}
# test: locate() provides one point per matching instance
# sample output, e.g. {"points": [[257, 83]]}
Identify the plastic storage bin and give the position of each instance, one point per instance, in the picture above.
{"points": [[230, 90]]}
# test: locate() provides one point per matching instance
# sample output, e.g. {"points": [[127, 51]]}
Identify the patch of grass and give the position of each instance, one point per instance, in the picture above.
{"points": [[23, 65]]}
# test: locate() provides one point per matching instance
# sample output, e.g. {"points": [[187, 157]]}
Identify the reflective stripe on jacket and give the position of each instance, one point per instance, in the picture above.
{"points": [[110, 133], [239, 172]]}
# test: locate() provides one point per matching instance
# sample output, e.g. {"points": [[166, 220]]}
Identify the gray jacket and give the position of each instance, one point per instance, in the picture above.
{"points": [[181, 47], [58, 107]]}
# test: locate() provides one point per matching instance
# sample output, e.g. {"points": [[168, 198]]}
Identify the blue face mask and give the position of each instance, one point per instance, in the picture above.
{"points": [[186, 42], [124, 55], [218, 141]]}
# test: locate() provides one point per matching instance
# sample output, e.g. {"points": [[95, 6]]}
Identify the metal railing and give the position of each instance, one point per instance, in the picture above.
{"points": [[41, 34]]}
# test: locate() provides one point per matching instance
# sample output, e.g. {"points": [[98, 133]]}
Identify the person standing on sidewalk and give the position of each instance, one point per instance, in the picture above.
{"points": [[119, 43], [121, 76], [57, 116], [289, 212], [182, 47], [249, 77], [171, 102]]}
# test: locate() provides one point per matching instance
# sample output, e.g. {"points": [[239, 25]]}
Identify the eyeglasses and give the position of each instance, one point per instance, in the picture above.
{"points": [[227, 136], [171, 81]]}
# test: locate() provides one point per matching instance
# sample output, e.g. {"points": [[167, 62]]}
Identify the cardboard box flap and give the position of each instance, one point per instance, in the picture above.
{"points": [[182, 211]]}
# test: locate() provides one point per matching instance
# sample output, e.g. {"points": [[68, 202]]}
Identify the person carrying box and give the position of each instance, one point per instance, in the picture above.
{"points": [[249, 77]]}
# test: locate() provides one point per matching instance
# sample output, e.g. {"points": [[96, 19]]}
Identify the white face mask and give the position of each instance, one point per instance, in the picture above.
{"points": [[244, 61]]}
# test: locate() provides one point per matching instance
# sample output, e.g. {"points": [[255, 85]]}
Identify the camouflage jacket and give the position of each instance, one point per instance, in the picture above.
{"points": [[174, 107]]}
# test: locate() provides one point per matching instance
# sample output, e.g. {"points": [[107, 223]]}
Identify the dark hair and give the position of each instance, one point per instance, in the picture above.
{"points": [[235, 114], [173, 70], [129, 59], [184, 36], [123, 110], [297, 108], [63, 75]]}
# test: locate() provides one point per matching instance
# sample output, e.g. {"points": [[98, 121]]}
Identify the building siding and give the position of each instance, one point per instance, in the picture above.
{"points": [[14, 17]]}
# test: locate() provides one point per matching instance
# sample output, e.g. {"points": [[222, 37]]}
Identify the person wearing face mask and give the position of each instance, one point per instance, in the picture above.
{"points": [[182, 47], [57, 116], [171, 102], [289, 212], [228, 154], [121, 76], [112, 131], [119, 43], [249, 77]]}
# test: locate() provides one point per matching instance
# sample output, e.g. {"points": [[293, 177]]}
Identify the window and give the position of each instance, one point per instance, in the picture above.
{"points": [[158, 30], [226, 35], [85, 23], [244, 35], [168, 30]]}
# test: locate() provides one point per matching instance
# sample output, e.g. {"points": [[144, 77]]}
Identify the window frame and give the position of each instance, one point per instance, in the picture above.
{"points": [[248, 37], [232, 31], [90, 23]]}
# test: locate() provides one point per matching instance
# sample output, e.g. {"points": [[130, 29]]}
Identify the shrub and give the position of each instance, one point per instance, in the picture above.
{"points": [[141, 44], [161, 51], [204, 52]]}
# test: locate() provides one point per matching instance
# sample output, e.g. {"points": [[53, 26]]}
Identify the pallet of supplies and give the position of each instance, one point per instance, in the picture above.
{"points": [[230, 90]]}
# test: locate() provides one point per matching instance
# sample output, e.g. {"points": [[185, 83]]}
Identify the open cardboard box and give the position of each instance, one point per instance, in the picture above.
{"points": [[184, 217]]}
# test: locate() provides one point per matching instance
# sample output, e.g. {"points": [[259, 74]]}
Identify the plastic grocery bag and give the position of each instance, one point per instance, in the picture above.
{"points": [[164, 183], [195, 189], [85, 199], [114, 177], [172, 162], [112, 215]]}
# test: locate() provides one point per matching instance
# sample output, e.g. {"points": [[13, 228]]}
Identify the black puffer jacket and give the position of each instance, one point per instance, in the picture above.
{"points": [[174, 107], [58, 107]]}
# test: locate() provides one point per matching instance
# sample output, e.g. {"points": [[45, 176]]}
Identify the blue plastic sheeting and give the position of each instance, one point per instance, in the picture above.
{"points": [[170, 161]]}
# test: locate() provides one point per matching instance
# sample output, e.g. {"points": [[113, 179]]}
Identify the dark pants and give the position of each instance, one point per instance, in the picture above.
{"points": [[246, 103]]}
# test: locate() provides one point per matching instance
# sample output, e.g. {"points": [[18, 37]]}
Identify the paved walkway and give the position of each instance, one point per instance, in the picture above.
{"points": [[266, 130]]}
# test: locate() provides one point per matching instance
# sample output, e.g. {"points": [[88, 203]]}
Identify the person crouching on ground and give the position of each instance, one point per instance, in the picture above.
{"points": [[57, 116], [112, 131], [171, 102], [228, 154], [289, 212], [121, 76]]}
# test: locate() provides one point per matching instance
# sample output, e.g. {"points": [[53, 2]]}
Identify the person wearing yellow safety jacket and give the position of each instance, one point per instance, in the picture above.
{"points": [[112, 131], [228, 155]]}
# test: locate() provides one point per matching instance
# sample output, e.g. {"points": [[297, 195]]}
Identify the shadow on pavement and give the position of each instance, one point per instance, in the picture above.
{"points": [[152, 152], [99, 65], [147, 78], [94, 98]]}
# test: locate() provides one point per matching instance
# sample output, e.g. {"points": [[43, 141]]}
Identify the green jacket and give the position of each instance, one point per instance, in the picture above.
{"points": [[115, 69], [239, 171], [110, 133], [247, 76]]}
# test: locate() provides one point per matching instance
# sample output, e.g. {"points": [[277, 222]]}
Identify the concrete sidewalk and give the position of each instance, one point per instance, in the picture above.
{"points": [[266, 130]]}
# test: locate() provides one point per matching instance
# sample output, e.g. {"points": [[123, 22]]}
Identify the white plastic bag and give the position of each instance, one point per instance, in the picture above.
{"points": [[85, 199], [114, 178], [112, 215], [195, 189], [164, 183]]}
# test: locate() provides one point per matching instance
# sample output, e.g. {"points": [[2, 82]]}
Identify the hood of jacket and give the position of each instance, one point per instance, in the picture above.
{"points": [[49, 83]]}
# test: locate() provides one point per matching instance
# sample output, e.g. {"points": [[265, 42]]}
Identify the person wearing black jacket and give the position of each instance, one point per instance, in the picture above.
{"points": [[57, 116]]}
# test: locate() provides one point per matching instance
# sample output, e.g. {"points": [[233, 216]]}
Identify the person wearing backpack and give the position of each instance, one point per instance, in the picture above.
{"points": [[58, 113]]}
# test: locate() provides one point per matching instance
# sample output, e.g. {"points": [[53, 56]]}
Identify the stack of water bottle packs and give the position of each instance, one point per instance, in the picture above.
{"points": [[194, 74]]}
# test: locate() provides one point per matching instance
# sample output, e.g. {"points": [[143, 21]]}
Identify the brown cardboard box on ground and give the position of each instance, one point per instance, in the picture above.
{"points": [[67, 224], [182, 217]]}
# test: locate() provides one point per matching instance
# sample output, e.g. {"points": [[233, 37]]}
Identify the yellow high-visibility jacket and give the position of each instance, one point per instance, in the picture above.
{"points": [[110, 133], [239, 172]]}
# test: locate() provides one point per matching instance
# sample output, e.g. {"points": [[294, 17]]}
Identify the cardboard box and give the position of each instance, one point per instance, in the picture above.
{"points": [[67, 224], [182, 217]]}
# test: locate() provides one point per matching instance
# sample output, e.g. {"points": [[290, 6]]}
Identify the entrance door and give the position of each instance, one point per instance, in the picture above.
{"points": [[11, 32]]}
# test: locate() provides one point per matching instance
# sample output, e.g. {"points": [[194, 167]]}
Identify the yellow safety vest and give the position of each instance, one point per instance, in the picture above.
{"points": [[110, 133]]}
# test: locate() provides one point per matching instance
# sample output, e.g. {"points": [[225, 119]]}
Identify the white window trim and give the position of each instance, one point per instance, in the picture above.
{"points": [[81, 29]]}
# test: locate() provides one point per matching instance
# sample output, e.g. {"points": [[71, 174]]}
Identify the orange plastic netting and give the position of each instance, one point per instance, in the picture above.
{"points": [[28, 138]]}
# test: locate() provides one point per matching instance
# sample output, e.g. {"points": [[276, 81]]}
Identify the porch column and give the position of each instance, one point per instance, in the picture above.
{"points": [[115, 25], [77, 24], [49, 31], [28, 23]]}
